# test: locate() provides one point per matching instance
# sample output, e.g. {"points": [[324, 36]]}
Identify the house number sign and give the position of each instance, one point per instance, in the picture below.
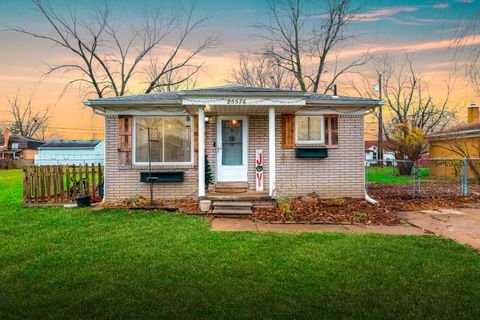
{"points": [[259, 170], [251, 101]]}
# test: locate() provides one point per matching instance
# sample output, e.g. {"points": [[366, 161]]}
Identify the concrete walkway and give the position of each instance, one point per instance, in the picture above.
{"points": [[462, 225], [231, 224]]}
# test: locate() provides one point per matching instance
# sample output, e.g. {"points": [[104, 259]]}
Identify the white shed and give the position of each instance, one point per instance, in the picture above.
{"points": [[68, 152]]}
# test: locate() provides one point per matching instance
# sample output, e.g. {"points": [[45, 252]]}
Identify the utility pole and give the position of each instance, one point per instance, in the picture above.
{"points": [[380, 122]]}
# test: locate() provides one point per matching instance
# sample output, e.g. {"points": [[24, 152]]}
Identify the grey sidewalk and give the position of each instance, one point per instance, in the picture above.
{"points": [[229, 224]]}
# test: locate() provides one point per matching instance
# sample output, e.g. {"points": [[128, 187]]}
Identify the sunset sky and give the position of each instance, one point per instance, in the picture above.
{"points": [[423, 28]]}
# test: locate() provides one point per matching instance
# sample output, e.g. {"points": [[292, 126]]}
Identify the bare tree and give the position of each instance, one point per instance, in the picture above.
{"points": [[173, 79], [466, 44], [27, 121], [105, 60], [303, 45], [260, 71], [407, 96], [473, 76]]}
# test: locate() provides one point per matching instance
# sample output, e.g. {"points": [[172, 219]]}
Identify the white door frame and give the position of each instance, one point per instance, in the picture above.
{"points": [[232, 173]]}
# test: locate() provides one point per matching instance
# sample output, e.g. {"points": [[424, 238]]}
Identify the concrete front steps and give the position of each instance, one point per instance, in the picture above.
{"points": [[231, 187], [233, 209], [234, 200]]}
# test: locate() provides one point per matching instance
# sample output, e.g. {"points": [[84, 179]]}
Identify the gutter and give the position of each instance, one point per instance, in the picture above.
{"points": [[462, 134], [333, 102], [112, 103]]}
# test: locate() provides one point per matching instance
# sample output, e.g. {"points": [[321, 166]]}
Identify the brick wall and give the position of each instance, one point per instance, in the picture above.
{"points": [[339, 175], [124, 182]]}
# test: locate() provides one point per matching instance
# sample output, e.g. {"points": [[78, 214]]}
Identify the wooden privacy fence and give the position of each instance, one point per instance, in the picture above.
{"points": [[61, 184]]}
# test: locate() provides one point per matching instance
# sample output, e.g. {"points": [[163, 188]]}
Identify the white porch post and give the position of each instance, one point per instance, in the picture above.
{"points": [[201, 151], [271, 150]]}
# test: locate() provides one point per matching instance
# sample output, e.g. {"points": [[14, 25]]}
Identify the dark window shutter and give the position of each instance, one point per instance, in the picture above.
{"points": [[125, 140], [331, 129], [288, 131]]}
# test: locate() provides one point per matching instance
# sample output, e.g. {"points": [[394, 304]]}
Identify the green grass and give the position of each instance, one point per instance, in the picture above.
{"points": [[391, 175], [116, 264]]}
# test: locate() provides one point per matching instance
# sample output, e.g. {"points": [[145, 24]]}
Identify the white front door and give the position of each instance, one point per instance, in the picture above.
{"points": [[232, 148]]}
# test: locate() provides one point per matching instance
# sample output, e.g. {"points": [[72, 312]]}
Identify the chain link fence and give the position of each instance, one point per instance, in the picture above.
{"points": [[471, 176], [390, 179], [440, 177], [430, 178]]}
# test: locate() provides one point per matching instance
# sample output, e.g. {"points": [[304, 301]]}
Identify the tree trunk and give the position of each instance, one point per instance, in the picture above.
{"points": [[405, 168]]}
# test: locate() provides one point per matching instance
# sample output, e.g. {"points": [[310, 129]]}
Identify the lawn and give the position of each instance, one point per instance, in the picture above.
{"points": [[392, 175], [115, 264]]}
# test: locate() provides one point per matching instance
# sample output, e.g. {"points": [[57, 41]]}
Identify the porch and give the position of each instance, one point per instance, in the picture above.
{"points": [[240, 144]]}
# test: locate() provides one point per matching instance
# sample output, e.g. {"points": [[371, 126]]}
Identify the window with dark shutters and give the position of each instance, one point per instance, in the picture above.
{"points": [[125, 140], [288, 131]]}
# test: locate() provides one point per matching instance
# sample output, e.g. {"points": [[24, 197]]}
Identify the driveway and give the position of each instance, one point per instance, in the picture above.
{"points": [[462, 225]]}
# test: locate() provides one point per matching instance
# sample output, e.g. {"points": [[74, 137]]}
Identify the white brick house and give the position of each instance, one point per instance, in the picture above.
{"points": [[308, 142]]}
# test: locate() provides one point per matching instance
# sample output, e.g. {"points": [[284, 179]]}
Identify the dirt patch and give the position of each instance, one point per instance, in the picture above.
{"points": [[186, 205], [312, 208]]}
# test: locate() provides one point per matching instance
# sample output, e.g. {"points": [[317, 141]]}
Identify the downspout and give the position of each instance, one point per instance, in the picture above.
{"points": [[367, 197], [370, 200], [99, 113]]}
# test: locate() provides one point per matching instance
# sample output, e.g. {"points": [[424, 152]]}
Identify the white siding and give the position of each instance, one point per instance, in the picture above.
{"points": [[71, 156]]}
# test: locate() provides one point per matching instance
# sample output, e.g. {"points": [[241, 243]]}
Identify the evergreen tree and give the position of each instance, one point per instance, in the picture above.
{"points": [[208, 173]]}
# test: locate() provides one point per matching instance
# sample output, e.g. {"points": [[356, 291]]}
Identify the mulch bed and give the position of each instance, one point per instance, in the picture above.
{"points": [[391, 198], [185, 205], [311, 208], [434, 195]]}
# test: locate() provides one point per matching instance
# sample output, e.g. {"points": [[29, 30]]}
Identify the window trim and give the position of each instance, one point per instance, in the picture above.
{"points": [[166, 164], [322, 130]]}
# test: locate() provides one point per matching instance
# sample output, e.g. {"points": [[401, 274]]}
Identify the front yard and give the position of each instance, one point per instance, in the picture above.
{"points": [[81, 263]]}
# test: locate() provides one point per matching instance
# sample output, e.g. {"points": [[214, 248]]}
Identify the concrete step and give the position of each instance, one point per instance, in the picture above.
{"points": [[247, 196], [231, 190], [264, 206], [231, 187], [230, 212], [231, 208], [232, 204]]}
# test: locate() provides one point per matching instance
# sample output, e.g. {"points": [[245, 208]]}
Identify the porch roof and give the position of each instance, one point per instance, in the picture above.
{"points": [[177, 98]]}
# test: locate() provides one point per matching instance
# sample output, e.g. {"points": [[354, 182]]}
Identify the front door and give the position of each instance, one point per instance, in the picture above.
{"points": [[232, 149]]}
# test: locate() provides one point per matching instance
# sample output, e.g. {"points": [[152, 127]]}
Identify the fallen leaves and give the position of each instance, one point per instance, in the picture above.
{"points": [[312, 208]]}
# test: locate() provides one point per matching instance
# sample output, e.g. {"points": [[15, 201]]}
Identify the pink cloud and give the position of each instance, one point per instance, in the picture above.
{"points": [[410, 47], [381, 13], [441, 6]]}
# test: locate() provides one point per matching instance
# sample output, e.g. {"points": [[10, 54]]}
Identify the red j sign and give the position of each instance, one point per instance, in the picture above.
{"points": [[259, 170]]}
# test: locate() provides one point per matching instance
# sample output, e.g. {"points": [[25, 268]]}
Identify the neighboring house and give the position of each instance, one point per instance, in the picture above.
{"points": [[371, 153], [68, 152], [17, 147], [459, 142], [280, 141]]}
